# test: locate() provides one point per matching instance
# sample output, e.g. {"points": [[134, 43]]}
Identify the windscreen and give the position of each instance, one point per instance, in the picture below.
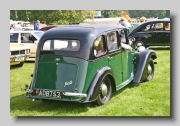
{"points": [[14, 37]]}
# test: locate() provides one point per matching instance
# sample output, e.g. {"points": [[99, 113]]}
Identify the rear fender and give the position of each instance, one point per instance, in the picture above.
{"points": [[93, 90], [140, 63]]}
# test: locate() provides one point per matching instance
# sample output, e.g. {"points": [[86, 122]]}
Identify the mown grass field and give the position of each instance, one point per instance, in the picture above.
{"points": [[144, 99]]}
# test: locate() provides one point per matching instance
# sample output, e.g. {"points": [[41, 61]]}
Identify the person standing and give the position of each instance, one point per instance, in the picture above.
{"points": [[11, 27], [125, 23], [36, 25], [17, 27]]}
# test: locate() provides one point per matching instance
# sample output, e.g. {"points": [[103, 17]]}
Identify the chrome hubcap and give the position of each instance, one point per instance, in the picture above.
{"points": [[104, 89], [149, 69]]}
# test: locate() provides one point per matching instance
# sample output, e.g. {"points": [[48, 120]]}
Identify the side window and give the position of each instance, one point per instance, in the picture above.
{"points": [[159, 26], [27, 38], [153, 27], [145, 28], [99, 47], [167, 26], [14, 37], [112, 41]]}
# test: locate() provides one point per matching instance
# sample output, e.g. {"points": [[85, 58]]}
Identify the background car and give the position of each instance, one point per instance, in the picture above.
{"points": [[153, 33], [28, 38], [18, 54], [86, 63], [48, 27], [28, 28]]}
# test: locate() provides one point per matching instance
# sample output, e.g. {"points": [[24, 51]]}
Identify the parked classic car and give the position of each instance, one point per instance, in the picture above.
{"points": [[28, 38], [18, 54], [28, 28], [80, 66], [153, 33]]}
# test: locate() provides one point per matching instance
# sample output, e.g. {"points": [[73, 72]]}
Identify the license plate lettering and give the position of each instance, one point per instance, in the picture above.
{"points": [[19, 59], [49, 93], [58, 94], [54, 94]]}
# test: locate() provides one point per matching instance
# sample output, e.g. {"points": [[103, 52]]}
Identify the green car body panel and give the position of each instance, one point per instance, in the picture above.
{"points": [[78, 75]]}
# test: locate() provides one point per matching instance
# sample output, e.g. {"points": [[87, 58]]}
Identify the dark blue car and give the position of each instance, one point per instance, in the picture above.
{"points": [[153, 33]]}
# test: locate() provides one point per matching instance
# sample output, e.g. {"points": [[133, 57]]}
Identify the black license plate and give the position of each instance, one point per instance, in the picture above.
{"points": [[49, 93]]}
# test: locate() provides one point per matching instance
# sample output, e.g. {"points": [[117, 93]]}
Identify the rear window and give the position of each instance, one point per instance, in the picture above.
{"points": [[14, 37], [61, 44]]}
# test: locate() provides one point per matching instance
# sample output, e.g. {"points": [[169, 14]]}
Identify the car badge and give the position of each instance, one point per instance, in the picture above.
{"points": [[57, 59], [67, 83]]}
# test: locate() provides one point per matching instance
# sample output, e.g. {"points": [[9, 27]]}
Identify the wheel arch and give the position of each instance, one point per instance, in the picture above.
{"points": [[93, 90], [140, 63]]}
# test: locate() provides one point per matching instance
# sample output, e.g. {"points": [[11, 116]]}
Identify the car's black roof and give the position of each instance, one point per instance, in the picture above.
{"points": [[82, 29], [85, 33]]}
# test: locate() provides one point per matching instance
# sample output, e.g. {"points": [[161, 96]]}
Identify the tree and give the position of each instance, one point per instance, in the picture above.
{"points": [[111, 13], [138, 13], [89, 14], [50, 16], [158, 13], [168, 13], [13, 14]]}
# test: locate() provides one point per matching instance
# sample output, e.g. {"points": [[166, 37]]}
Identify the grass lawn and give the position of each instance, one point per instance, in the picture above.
{"points": [[145, 99]]}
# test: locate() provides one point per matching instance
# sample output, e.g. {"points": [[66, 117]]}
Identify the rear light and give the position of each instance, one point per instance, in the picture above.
{"points": [[35, 91]]}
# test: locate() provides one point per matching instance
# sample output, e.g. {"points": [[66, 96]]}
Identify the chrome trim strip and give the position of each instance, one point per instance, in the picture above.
{"points": [[74, 94], [20, 55]]}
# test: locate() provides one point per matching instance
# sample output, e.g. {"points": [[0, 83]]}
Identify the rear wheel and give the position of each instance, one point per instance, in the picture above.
{"points": [[105, 91], [150, 70]]}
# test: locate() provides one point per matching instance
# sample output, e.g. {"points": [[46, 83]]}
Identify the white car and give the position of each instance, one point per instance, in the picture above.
{"points": [[28, 28], [27, 38], [18, 54]]}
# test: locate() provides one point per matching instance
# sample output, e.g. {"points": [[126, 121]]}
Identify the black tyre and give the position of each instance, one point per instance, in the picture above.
{"points": [[150, 70], [21, 64], [105, 91]]}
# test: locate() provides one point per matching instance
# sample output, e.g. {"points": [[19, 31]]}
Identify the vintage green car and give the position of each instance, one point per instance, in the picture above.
{"points": [[86, 63]]}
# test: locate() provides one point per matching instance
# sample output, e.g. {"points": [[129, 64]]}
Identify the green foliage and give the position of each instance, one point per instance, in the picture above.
{"points": [[111, 13], [145, 99], [89, 14], [138, 13], [78, 16], [49, 16], [158, 13], [168, 13]]}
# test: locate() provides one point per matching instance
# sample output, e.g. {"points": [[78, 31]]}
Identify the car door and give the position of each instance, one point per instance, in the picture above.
{"points": [[28, 39], [127, 62], [156, 36], [115, 56]]}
